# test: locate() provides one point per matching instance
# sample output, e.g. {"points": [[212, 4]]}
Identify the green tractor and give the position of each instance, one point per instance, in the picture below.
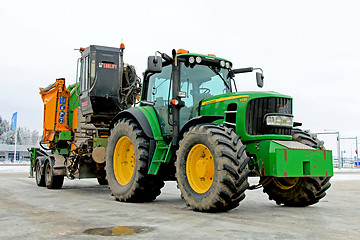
{"points": [[193, 126]]}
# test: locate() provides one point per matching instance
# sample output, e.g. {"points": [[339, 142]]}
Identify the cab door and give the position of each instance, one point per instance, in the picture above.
{"points": [[158, 94]]}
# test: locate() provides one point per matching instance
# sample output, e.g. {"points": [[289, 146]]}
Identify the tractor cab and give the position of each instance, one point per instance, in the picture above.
{"points": [[200, 77]]}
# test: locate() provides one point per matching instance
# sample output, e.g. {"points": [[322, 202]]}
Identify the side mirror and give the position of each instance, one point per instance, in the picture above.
{"points": [[259, 79], [155, 64]]}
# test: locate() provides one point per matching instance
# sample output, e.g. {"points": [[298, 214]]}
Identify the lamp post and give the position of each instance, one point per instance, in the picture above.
{"points": [[338, 143], [357, 155], [342, 158]]}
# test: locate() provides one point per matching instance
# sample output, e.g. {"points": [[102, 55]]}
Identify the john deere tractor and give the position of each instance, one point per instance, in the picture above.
{"points": [[193, 126]]}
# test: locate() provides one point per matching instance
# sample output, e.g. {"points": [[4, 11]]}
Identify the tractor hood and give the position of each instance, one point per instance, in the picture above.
{"points": [[241, 96], [246, 111]]}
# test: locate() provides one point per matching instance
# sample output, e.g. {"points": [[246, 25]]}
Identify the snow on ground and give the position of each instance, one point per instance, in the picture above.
{"points": [[12, 168], [346, 170]]}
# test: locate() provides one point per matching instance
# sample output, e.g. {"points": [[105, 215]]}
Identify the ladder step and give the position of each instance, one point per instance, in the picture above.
{"points": [[162, 148], [158, 161]]}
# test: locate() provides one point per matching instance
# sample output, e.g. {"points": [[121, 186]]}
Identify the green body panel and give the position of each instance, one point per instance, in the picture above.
{"points": [[62, 151], [162, 154], [150, 115], [32, 155], [63, 136], [217, 106], [100, 142], [277, 160], [73, 101]]}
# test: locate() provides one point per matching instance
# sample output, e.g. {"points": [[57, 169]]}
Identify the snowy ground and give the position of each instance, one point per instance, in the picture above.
{"points": [[14, 168]]}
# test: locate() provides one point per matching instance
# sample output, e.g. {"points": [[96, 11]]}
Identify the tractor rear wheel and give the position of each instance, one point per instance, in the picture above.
{"points": [[211, 168], [297, 191], [52, 181], [126, 164], [39, 176]]}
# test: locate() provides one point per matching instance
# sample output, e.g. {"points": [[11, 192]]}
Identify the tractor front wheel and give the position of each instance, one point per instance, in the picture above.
{"points": [[297, 191], [126, 164], [211, 168]]}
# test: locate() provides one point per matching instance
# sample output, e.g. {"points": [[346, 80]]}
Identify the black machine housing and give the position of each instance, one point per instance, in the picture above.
{"points": [[99, 83]]}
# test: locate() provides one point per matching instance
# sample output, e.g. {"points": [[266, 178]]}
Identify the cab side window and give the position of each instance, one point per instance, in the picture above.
{"points": [[84, 77], [159, 92]]}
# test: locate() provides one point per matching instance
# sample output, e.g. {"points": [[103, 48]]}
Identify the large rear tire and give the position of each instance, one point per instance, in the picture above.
{"points": [[52, 181], [126, 164], [297, 191], [211, 168]]}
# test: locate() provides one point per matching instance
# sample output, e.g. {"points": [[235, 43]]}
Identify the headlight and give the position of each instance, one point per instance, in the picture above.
{"points": [[279, 120], [198, 59], [222, 63], [191, 60], [227, 65]]}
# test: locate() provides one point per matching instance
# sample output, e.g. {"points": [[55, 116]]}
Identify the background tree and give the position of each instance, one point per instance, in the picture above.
{"points": [[24, 135]]}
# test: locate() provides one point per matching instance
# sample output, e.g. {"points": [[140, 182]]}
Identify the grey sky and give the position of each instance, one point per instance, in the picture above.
{"points": [[307, 49]]}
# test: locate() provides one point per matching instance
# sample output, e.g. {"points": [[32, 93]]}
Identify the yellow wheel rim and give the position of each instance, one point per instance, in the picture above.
{"points": [[286, 182], [124, 160], [200, 168]]}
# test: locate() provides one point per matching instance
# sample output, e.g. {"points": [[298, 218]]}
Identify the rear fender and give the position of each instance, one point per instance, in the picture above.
{"points": [[138, 116], [57, 163], [147, 119]]}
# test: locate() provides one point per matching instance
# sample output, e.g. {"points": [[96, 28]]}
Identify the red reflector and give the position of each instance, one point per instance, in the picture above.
{"points": [[174, 102], [82, 49]]}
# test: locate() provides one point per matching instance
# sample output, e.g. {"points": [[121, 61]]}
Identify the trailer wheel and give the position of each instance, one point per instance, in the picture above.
{"points": [[126, 164], [297, 191], [52, 181], [211, 168], [39, 176]]}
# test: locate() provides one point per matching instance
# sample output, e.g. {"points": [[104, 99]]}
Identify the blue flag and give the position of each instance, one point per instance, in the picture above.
{"points": [[13, 121]]}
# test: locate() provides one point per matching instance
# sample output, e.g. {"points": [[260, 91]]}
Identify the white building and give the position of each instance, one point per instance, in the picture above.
{"points": [[7, 153]]}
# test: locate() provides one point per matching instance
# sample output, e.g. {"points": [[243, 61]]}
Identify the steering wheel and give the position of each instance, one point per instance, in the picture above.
{"points": [[206, 90]]}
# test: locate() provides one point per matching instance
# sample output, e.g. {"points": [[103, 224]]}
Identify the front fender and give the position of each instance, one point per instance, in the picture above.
{"points": [[198, 120]]}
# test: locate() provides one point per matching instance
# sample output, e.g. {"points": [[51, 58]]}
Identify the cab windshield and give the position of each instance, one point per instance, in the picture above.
{"points": [[198, 82], [202, 81]]}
